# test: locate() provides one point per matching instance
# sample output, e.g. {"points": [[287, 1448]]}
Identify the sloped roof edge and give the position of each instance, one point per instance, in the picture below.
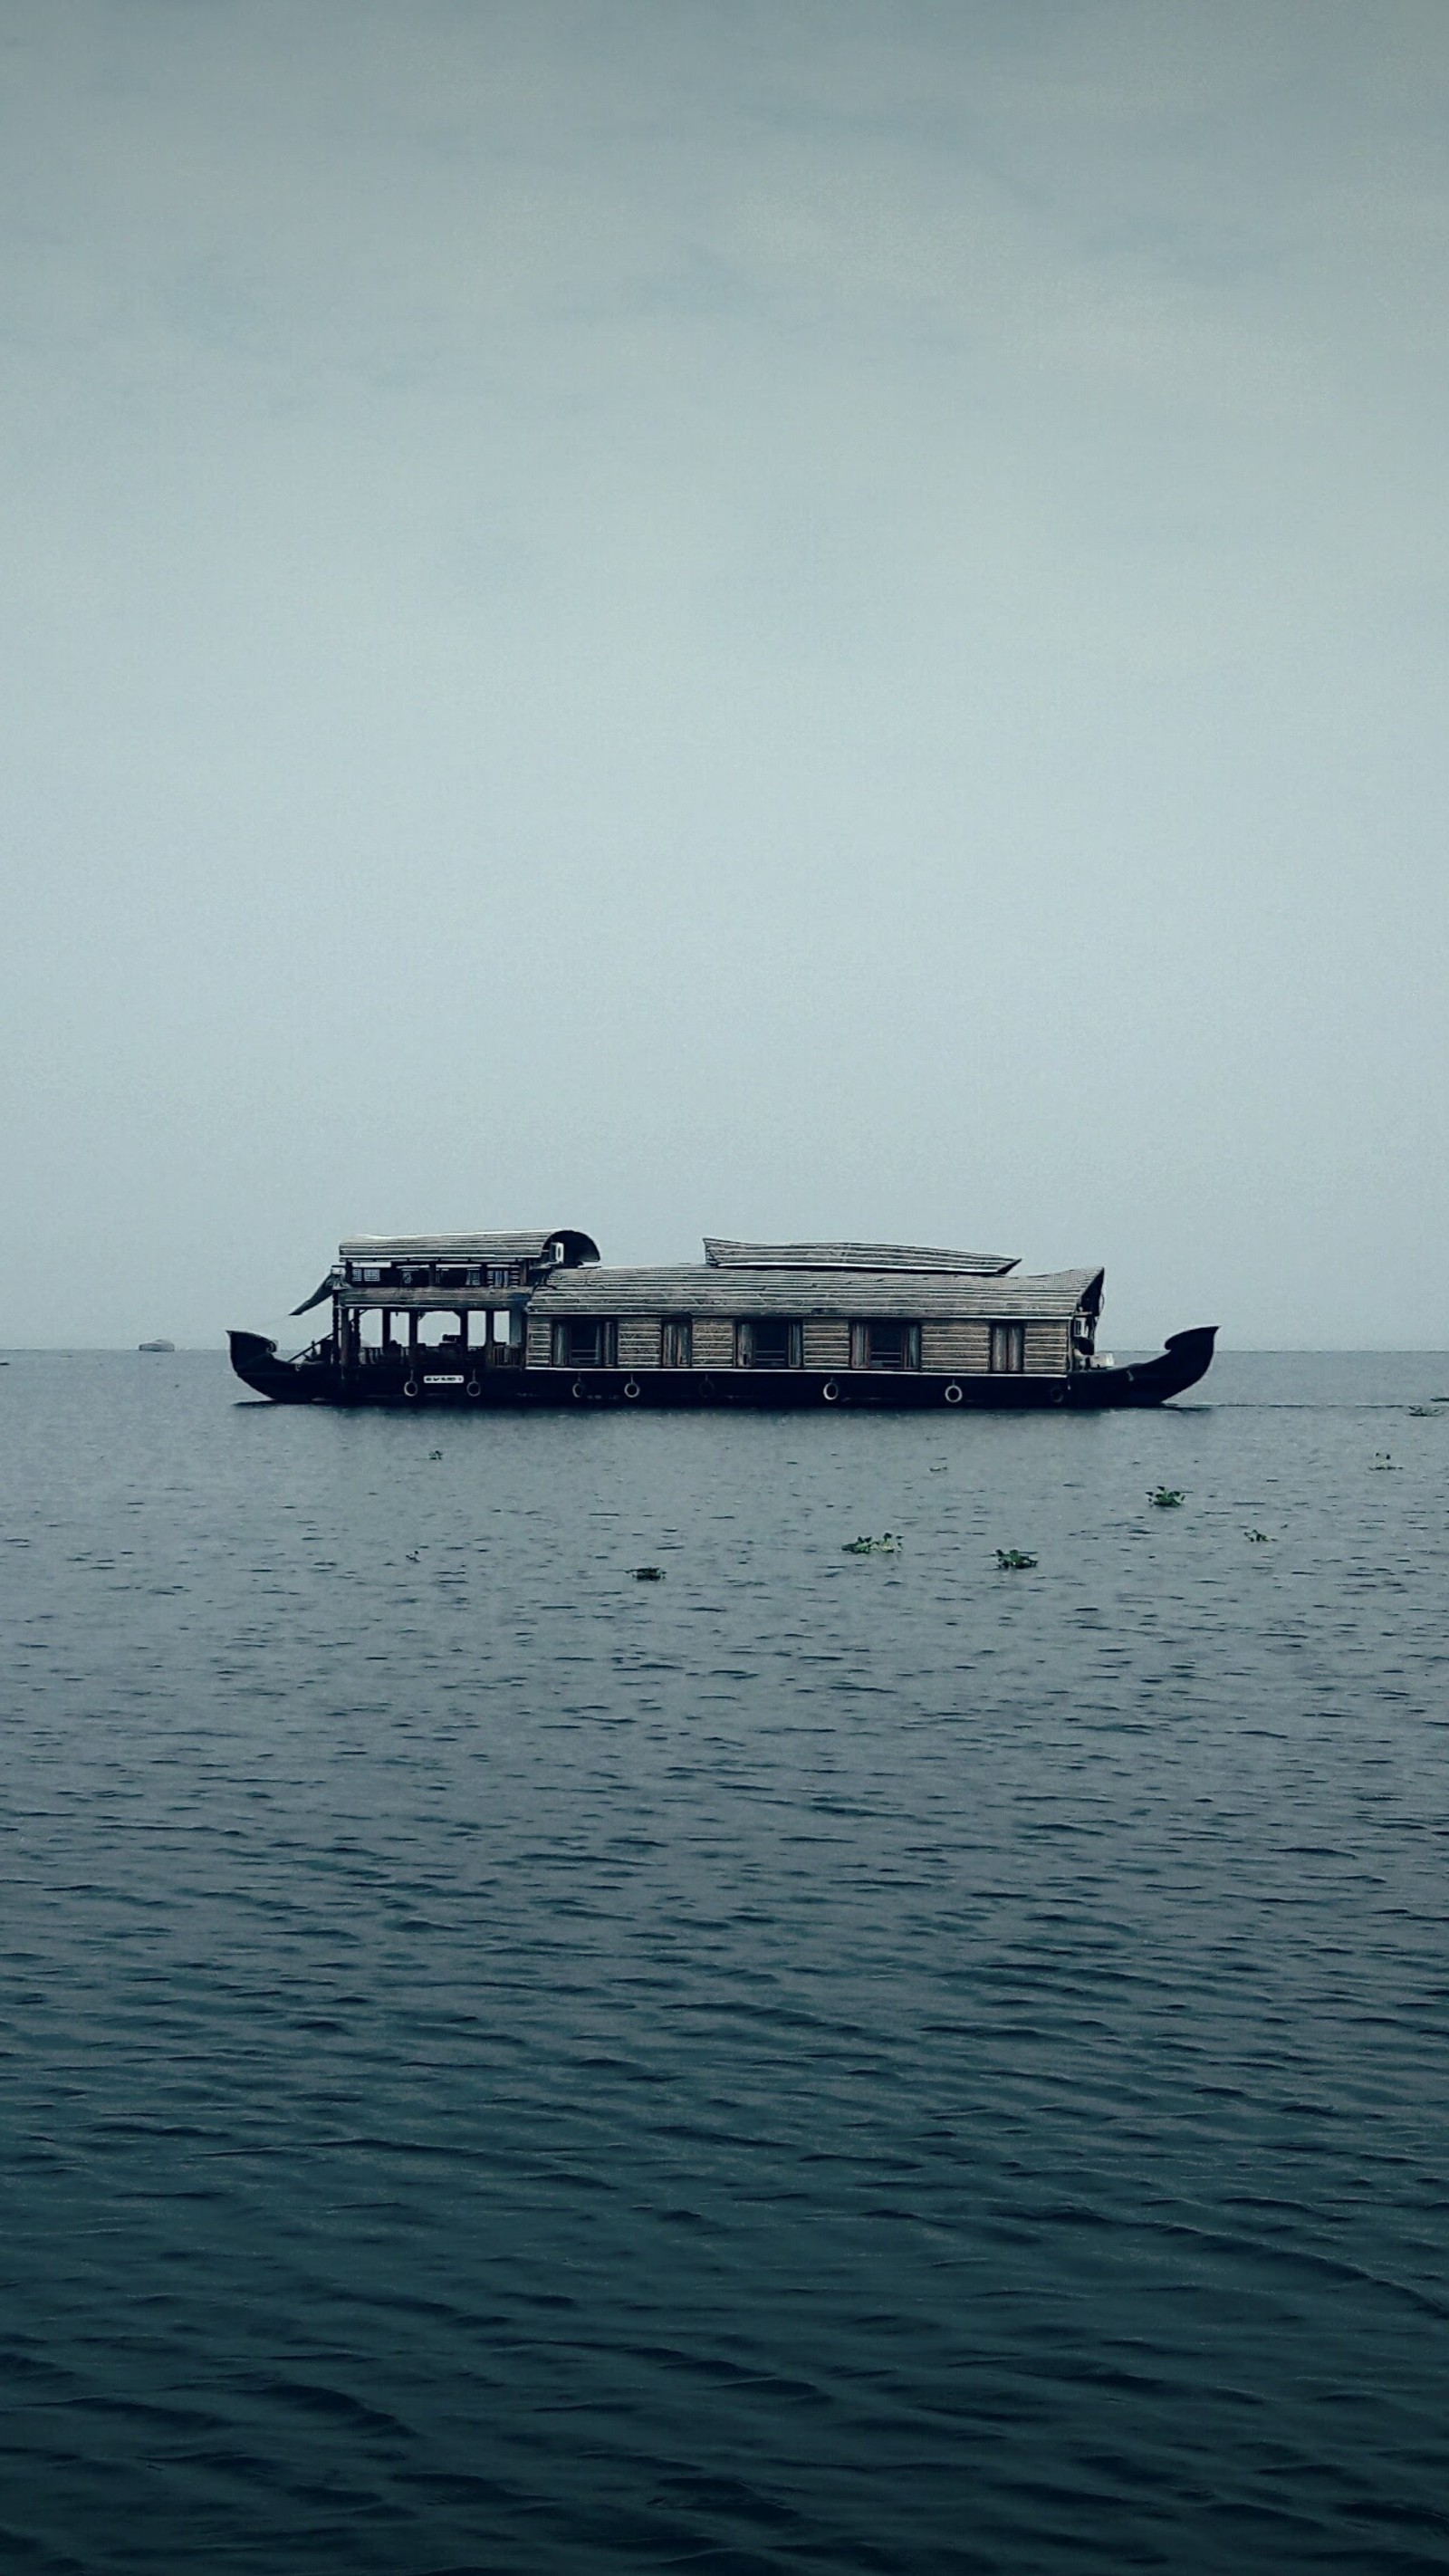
{"points": [[707, 1291]]}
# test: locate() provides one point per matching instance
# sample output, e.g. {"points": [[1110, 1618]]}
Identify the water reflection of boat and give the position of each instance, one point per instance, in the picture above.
{"points": [[535, 1319]]}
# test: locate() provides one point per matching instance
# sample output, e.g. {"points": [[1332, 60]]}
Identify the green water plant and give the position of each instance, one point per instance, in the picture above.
{"points": [[1258, 1537], [1014, 1560], [1167, 1497], [886, 1545], [647, 1573], [1384, 1464]]}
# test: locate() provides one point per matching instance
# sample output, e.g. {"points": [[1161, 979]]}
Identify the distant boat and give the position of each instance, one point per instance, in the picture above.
{"points": [[155, 1346]]}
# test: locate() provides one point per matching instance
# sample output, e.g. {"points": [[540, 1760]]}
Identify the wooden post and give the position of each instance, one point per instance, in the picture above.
{"points": [[412, 1337], [463, 1330]]}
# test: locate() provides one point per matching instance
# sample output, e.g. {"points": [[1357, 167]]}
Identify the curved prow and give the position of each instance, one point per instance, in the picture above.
{"points": [[1184, 1358], [254, 1358]]}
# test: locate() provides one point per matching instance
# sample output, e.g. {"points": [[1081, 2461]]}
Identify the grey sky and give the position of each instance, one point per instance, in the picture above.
{"points": [[794, 619]]}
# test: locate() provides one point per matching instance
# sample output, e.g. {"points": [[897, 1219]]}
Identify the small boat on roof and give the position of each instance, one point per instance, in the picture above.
{"points": [[530, 1319]]}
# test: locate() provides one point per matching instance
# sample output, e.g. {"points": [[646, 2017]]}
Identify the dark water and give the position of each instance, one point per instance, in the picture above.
{"points": [[816, 2064]]}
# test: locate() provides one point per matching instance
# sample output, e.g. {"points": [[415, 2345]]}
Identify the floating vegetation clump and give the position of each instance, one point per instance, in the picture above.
{"points": [[647, 1573], [1384, 1465], [1258, 1537], [1167, 1497], [1429, 1412], [1014, 1560], [886, 1545]]}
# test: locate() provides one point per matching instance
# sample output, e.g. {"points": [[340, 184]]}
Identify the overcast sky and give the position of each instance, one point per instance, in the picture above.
{"points": [[818, 617]]}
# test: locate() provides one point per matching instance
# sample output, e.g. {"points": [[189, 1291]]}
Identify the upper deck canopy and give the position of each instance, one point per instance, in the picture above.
{"points": [[531, 1255], [494, 1248], [855, 1256]]}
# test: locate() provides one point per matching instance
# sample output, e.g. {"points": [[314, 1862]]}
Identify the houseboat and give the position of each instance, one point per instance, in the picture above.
{"points": [[475, 1320]]}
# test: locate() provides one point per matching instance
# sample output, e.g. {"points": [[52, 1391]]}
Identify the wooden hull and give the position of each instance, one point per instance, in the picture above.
{"points": [[1184, 1360]]}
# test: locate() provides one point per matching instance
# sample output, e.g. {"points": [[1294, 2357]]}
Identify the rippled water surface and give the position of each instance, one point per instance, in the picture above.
{"points": [[819, 2063]]}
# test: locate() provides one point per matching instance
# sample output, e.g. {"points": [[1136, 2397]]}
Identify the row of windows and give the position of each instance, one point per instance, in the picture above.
{"points": [[771, 1342], [434, 1274]]}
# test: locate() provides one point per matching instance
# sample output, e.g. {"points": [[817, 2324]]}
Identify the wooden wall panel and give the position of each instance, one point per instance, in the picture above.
{"points": [[639, 1341], [714, 1342], [1046, 1349], [827, 1341], [956, 1345]]}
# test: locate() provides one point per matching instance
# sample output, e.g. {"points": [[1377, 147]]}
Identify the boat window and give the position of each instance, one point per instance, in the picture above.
{"points": [[883, 1345], [767, 1341], [585, 1341], [505, 1274], [452, 1278], [1008, 1349], [676, 1347]]}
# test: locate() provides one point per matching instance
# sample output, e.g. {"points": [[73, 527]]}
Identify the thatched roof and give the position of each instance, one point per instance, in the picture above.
{"points": [[714, 1291], [855, 1256]]}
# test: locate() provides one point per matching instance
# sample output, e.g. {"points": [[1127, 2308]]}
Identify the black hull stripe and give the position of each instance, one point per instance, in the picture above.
{"points": [[1181, 1364]]}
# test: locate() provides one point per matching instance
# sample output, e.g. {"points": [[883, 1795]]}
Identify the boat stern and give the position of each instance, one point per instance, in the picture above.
{"points": [[1183, 1359]]}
